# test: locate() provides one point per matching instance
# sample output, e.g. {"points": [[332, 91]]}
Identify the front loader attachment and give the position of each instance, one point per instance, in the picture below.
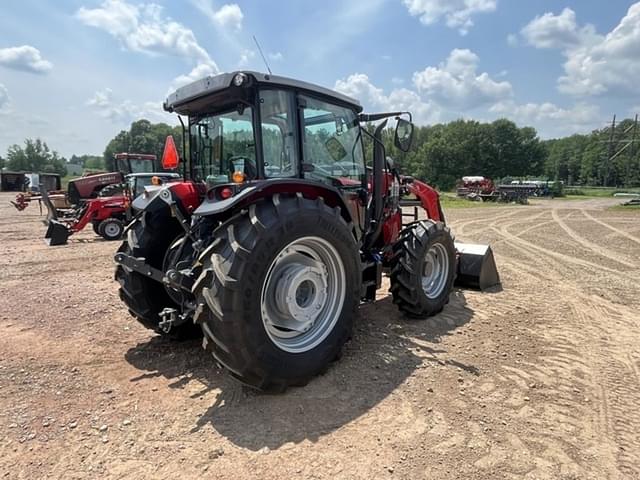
{"points": [[57, 231], [476, 266]]}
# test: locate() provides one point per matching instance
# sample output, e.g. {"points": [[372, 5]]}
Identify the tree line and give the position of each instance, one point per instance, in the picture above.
{"points": [[441, 154]]}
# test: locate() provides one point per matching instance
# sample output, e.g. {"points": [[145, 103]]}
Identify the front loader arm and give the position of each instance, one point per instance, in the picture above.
{"points": [[429, 198]]}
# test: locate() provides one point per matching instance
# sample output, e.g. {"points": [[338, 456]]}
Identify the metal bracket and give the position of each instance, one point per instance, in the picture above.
{"points": [[169, 318], [139, 265], [173, 278], [178, 279]]}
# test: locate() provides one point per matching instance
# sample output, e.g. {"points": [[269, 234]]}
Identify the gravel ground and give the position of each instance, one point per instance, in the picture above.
{"points": [[540, 379]]}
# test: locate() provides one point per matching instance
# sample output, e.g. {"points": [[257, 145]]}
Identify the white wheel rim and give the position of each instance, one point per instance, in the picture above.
{"points": [[112, 230], [303, 294], [435, 270]]}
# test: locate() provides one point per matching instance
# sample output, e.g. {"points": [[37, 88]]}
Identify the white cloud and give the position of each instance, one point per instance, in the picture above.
{"points": [[456, 82], [4, 99], [199, 71], [275, 56], [143, 28], [245, 57], [456, 13], [595, 64], [373, 98], [512, 40], [104, 103], [228, 16], [557, 31], [549, 119], [26, 58]]}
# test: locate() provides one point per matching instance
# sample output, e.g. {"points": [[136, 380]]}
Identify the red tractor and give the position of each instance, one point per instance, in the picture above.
{"points": [[107, 213], [279, 231]]}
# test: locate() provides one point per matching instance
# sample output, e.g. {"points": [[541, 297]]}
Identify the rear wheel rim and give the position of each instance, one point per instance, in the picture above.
{"points": [[303, 294], [112, 230], [435, 270]]}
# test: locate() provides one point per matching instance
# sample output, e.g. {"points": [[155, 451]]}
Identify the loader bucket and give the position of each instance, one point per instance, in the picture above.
{"points": [[57, 233], [476, 266]]}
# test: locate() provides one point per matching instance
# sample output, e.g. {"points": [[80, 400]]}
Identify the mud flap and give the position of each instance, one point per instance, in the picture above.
{"points": [[57, 233], [476, 266]]}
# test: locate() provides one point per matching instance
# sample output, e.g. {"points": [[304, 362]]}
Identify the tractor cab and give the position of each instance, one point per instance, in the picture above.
{"points": [[248, 128], [127, 163]]}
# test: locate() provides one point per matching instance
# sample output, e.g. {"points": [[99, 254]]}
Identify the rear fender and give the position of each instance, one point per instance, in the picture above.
{"points": [[250, 194], [186, 195]]}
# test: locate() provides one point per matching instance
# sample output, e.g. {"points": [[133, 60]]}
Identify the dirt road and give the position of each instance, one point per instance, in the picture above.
{"points": [[539, 380]]}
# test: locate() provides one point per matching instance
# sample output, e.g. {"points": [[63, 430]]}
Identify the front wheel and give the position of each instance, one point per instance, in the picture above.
{"points": [[278, 291], [423, 268], [111, 229]]}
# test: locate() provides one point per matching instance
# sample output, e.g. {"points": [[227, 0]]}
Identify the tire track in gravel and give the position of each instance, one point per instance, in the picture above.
{"points": [[589, 351], [609, 345], [599, 250], [459, 226], [558, 256], [610, 227]]}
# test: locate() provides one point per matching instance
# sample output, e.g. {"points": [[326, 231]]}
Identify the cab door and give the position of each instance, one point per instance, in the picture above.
{"points": [[332, 152]]}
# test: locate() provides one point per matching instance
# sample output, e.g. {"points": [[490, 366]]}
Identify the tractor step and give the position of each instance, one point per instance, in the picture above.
{"points": [[476, 266]]}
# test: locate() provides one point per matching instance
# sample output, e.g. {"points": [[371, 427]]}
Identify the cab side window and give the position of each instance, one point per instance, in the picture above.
{"points": [[332, 143], [278, 133]]}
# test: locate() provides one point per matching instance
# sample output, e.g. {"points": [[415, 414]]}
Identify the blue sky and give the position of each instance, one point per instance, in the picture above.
{"points": [[76, 72]]}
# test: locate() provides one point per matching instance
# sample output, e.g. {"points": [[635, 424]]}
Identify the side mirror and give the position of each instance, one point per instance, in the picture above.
{"points": [[404, 135], [170, 157]]}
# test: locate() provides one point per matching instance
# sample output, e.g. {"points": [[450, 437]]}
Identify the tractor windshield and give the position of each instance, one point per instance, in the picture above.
{"points": [[127, 165], [223, 144]]}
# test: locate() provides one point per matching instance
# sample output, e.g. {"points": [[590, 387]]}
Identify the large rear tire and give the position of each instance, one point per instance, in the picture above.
{"points": [[144, 297], [423, 268], [278, 292]]}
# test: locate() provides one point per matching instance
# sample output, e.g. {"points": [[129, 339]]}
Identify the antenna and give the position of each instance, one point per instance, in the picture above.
{"points": [[262, 54]]}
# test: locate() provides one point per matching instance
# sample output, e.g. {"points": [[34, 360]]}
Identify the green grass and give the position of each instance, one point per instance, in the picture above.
{"points": [[64, 181], [596, 192], [625, 208], [450, 200]]}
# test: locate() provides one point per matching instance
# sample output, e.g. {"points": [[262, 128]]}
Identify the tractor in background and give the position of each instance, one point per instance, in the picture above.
{"points": [[280, 229], [108, 213]]}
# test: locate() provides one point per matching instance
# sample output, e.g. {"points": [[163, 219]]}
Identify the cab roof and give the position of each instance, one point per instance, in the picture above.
{"points": [[180, 100]]}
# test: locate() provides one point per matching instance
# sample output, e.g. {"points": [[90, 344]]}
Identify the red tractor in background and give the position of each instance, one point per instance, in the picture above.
{"points": [[92, 185], [108, 213], [280, 229]]}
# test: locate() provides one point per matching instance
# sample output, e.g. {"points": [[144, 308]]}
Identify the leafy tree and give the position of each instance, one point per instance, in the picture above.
{"points": [[142, 137], [35, 156]]}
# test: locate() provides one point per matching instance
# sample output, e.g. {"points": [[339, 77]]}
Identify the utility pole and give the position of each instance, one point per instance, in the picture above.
{"points": [[609, 152], [632, 150]]}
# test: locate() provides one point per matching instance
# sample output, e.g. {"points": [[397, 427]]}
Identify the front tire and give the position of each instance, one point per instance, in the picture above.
{"points": [[111, 229], [278, 292], [423, 268]]}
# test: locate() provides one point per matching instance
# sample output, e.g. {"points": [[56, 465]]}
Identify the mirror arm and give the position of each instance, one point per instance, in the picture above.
{"points": [[374, 117]]}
